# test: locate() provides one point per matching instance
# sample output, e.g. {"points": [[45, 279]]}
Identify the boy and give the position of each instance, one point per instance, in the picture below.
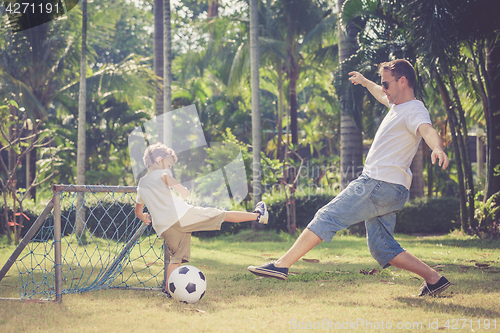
{"points": [[173, 219]]}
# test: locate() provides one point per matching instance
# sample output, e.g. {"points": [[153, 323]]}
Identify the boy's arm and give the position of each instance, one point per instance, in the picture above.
{"points": [[373, 88], [144, 217], [434, 142], [172, 182]]}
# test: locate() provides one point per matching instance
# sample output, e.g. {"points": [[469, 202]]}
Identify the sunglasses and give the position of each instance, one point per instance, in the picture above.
{"points": [[385, 84]]}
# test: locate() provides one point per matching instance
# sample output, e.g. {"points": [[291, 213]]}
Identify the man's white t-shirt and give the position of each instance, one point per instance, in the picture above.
{"points": [[396, 143], [164, 206]]}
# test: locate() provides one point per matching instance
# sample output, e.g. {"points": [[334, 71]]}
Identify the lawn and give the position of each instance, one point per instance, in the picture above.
{"points": [[326, 291]]}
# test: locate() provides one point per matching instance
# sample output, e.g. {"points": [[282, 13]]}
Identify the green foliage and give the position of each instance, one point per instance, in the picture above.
{"points": [[30, 210], [306, 206], [105, 216], [486, 214], [435, 215]]}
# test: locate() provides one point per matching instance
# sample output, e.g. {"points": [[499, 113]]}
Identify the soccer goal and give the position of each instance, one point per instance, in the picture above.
{"points": [[88, 238]]}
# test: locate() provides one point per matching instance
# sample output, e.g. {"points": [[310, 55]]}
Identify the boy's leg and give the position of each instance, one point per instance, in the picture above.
{"points": [[237, 217], [170, 269], [259, 214], [179, 245]]}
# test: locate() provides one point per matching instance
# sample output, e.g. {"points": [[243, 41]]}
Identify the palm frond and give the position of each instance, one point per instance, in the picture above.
{"points": [[26, 97]]}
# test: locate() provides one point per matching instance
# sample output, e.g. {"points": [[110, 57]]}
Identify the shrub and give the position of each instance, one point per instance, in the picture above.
{"points": [[305, 208], [436, 215], [30, 210]]}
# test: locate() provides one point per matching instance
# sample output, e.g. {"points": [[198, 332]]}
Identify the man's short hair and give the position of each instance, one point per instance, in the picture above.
{"points": [[157, 150], [399, 68]]}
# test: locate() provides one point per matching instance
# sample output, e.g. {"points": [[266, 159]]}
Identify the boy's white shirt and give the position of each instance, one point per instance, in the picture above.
{"points": [[396, 143], [164, 206]]}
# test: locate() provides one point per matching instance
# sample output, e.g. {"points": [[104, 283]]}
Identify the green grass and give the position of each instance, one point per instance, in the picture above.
{"points": [[325, 293]]}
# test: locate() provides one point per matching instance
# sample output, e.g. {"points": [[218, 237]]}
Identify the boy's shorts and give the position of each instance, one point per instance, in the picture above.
{"points": [[178, 238]]}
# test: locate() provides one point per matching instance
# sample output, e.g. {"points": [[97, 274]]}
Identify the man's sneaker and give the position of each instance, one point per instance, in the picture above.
{"points": [[269, 270], [434, 289], [262, 210]]}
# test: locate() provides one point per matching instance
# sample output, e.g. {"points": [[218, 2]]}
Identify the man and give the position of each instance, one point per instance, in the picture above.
{"points": [[383, 187]]}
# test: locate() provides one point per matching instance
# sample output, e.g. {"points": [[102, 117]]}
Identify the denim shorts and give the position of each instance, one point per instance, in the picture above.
{"points": [[365, 199]]}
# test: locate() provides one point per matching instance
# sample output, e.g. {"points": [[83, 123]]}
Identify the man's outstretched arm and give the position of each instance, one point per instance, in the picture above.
{"points": [[433, 140], [373, 88]]}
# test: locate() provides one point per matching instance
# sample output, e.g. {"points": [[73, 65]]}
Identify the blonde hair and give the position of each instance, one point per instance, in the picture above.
{"points": [[157, 150]]}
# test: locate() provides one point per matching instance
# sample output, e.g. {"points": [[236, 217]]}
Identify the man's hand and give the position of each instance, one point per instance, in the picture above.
{"points": [[439, 154], [374, 89], [433, 140], [356, 78]]}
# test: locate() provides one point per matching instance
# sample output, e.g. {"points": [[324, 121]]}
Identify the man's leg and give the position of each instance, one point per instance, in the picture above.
{"points": [[306, 241], [387, 251], [409, 262], [344, 210], [434, 282], [279, 269]]}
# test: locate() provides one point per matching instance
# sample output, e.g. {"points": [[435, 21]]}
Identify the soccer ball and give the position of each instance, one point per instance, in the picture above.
{"points": [[187, 284]]}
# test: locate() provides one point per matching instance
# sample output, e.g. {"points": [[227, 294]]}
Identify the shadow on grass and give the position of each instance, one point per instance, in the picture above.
{"points": [[456, 310]]}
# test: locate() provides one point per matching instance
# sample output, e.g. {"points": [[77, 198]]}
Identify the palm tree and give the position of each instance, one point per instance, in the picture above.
{"points": [[493, 123], [289, 28], [351, 138], [167, 70], [158, 56], [303, 23], [433, 33], [438, 33], [256, 126], [82, 115]]}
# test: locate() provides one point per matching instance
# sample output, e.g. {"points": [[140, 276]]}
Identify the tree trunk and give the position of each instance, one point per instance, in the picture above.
{"points": [[468, 176], [31, 161], [158, 60], [256, 125], [351, 138], [417, 167], [279, 154], [82, 123], [293, 75], [456, 147], [430, 173], [493, 125], [167, 70]]}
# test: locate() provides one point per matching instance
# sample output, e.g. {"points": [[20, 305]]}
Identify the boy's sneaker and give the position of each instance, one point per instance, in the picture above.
{"points": [[262, 210], [269, 270], [166, 293], [434, 289]]}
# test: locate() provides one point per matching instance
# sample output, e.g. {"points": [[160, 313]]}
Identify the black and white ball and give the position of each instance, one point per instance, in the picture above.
{"points": [[187, 284]]}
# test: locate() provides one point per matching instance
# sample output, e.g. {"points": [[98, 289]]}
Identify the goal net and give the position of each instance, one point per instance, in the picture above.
{"points": [[110, 249]]}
